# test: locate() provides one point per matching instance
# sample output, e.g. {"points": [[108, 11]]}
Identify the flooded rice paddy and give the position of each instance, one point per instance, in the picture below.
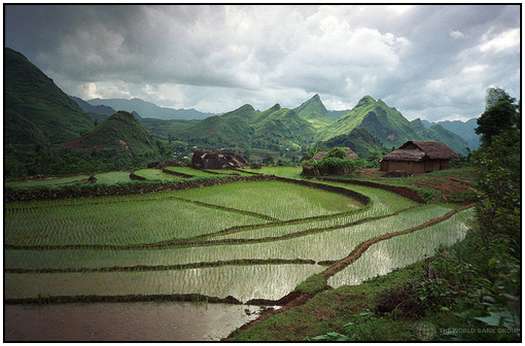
{"points": [[263, 222], [141, 321]]}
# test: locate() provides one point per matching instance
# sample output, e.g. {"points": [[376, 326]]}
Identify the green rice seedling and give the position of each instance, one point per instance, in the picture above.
{"points": [[228, 171], [280, 171], [382, 199], [330, 245], [156, 175], [51, 182], [134, 222], [191, 171], [272, 229], [243, 282], [112, 178], [382, 203], [388, 255], [279, 200]]}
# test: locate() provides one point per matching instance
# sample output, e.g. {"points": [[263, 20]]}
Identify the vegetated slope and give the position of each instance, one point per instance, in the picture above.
{"points": [[230, 129], [37, 115], [466, 130], [150, 110], [121, 135], [277, 129], [359, 140], [282, 129], [314, 111], [439, 133], [388, 125], [97, 113]]}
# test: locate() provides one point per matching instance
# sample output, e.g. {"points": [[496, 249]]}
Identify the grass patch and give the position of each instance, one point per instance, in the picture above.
{"points": [[49, 182], [156, 174], [314, 284], [280, 171], [111, 178]]}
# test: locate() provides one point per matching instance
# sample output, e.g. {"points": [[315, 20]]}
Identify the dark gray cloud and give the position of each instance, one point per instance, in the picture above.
{"points": [[433, 62]]}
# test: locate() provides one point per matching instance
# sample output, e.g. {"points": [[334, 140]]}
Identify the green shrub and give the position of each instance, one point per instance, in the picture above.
{"points": [[312, 285], [330, 166], [337, 152]]}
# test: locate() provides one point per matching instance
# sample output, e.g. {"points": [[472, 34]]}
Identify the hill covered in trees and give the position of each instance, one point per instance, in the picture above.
{"points": [[51, 132]]}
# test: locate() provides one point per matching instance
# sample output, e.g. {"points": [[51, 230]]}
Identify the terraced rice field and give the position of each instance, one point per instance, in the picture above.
{"points": [[227, 171], [111, 178], [245, 239], [46, 182], [280, 171], [156, 175], [191, 171], [399, 252], [295, 202]]}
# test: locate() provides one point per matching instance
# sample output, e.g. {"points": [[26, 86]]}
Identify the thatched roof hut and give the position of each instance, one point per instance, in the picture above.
{"points": [[418, 157]]}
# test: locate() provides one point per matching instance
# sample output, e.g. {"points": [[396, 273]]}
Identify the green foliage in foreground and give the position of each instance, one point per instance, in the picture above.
{"points": [[314, 284], [500, 182]]}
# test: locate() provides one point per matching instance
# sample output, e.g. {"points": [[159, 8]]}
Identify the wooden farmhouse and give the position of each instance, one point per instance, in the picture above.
{"points": [[211, 159], [418, 157]]}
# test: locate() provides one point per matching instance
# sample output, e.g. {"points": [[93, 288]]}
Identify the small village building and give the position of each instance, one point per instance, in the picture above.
{"points": [[211, 159], [349, 154], [418, 157]]}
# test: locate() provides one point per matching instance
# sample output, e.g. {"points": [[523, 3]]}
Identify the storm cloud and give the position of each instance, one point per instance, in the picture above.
{"points": [[433, 62]]}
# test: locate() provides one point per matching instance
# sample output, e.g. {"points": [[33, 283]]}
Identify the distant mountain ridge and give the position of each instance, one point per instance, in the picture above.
{"points": [[464, 129], [48, 131], [389, 126], [149, 110], [315, 112]]}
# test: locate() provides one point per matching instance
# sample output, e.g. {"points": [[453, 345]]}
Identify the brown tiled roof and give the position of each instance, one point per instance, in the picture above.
{"points": [[429, 149]]}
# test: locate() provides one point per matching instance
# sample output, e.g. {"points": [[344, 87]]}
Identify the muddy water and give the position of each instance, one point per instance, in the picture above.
{"points": [[142, 321]]}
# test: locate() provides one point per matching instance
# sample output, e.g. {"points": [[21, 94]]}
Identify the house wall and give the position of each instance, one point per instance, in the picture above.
{"points": [[414, 167]]}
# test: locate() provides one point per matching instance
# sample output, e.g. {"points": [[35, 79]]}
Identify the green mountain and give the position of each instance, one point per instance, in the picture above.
{"points": [[49, 132], [31, 95], [359, 140], [119, 142], [148, 109], [439, 133], [315, 112], [121, 132], [38, 115], [97, 113], [244, 128], [230, 129], [385, 123], [464, 129], [388, 126]]}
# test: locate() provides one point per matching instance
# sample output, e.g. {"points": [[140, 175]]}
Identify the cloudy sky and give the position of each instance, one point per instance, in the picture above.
{"points": [[433, 62]]}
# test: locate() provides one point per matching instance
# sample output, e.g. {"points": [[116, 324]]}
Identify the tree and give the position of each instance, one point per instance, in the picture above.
{"points": [[493, 96], [499, 164], [501, 113]]}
